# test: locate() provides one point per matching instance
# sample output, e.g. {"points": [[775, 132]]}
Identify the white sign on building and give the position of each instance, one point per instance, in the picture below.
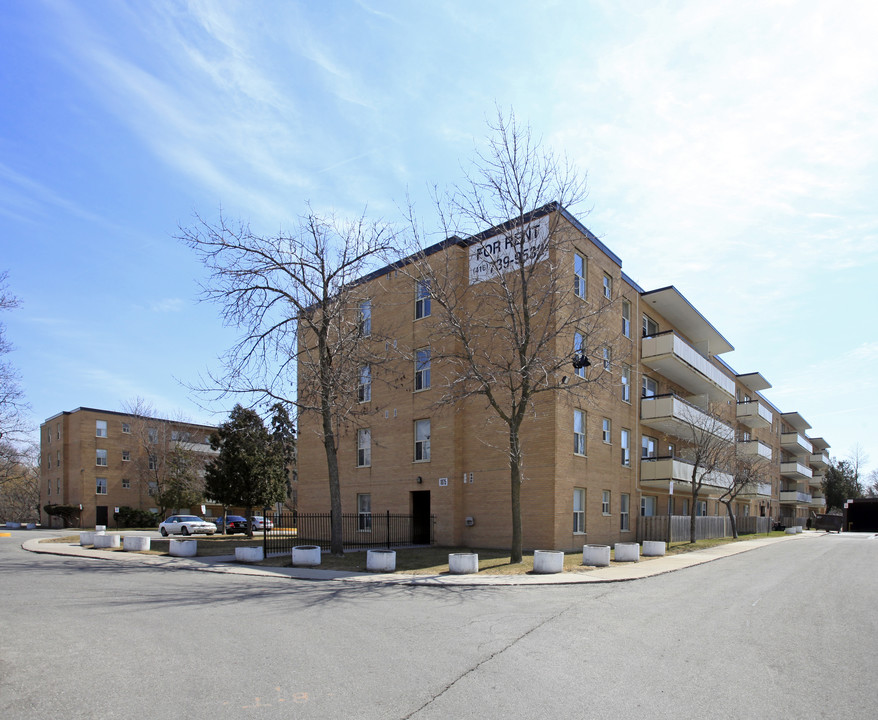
{"points": [[508, 251]]}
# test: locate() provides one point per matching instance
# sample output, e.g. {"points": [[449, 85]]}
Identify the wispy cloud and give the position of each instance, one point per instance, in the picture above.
{"points": [[168, 305]]}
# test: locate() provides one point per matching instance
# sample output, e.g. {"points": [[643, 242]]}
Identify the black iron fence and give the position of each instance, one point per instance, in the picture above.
{"points": [[360, 531]]}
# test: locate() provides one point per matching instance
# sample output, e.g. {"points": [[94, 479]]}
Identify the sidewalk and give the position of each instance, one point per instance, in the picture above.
{"points": [[647, 567]]}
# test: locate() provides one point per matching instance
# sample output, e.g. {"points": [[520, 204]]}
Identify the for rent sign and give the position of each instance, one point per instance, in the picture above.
{"points": [[502, 253]]}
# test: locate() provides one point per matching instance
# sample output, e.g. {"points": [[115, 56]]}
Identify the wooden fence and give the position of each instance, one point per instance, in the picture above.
{"points": [[675, 528]]}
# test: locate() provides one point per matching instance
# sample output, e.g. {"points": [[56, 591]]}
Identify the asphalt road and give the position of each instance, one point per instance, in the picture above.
{"points": [[786, 631]]}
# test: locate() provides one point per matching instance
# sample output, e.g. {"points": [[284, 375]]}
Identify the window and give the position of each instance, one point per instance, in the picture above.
{"points": [[605, 502], [364, 447], [364, 389], [579, 268], [626, 383], [606, 356], [649, 387], [608, 287], [701, 508], [579, 349], [579, 432], [153, 462], [126, 484], [48, 461], [578, 510], [685, 506], [647, 506], [626, 318], [57, 431], [153, 435], [607, 431], [364, 512], [153, 488], [101, 458], [58, 459], [626, 448], [422, 369], [100, 486], [126, 455], [650, 326], [49, 488], [624, 512], [422, 299], [364, 318], [648, 447], [100, 428], [422, 440], [126, 428], [58, 485]]}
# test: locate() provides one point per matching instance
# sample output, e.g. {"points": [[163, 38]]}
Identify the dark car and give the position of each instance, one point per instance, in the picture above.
{"points": [[234, 523]]}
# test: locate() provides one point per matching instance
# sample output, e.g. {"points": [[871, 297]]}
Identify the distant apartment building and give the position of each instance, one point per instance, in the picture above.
{"points": [[100, 460], [593, 468]]}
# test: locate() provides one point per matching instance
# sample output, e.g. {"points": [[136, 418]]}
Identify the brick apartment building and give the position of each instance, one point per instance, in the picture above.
{"points": [[593, 466]]}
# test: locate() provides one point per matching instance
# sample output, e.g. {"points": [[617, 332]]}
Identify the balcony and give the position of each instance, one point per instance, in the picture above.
{"points": [[757, 490], [795, 471], [754, 414], [671, 356], [818, 501], [796, 444], [755, 447], [672, 415], [663, 473], [795, 497], [820, 461]]}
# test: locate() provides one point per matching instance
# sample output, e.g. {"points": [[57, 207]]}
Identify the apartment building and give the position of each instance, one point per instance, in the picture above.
{"points": [[100, 460], [611, 444]]}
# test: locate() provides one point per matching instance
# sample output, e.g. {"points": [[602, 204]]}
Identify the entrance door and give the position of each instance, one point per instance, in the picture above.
{"points": [[421, 517], [101, 515]]}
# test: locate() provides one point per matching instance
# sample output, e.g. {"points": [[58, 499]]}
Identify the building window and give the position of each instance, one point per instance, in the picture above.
{"points": [[364, 447], [607, 431], [422, 369], [647, 506], [126, 484], [606, 356], [364, 512], [626, 383], [153, 462], [579, 268], [58, 485], [422, 440], [624, 511], [100, 486], [126, 428], [578, 510], [153, 488], [649, 387], [58, 459], [624, 441], [579, 432], [422, 299], [364, 389], [100, 428], [650, 326], [685, 506], [626, 318], [579, 349], [608, 287], [49, 488], [48, 461], [364, 318], [153, 435], [605, 502], [101, 458], [57, 431], [648, 447], [701, 508]]}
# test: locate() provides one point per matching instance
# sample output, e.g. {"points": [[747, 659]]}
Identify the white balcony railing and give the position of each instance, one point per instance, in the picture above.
{"points": [[755, 447], [795, 471], [796, 444], [667, 469], [754, 414], [670, 355], [675, 416], [795, 496]]}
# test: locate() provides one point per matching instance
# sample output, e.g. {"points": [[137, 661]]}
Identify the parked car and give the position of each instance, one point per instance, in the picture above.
{"points": [[261, 523], [186, 525], [234, 524]]}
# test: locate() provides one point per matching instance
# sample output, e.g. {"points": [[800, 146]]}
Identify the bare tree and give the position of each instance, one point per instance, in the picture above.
{"points": [[13, 407], [19, 482], [749, 471], [514, 328], [296, 300], [710, 447], [166, 466]]}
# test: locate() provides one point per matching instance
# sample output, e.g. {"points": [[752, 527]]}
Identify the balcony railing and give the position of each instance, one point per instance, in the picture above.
{"points": [[796, 497], [755, 447], [754, 414], [820, 461], [660, 472], [674, 416], [796, 444], [819, 502], [668, 354], [795, 471], [757, 490]]}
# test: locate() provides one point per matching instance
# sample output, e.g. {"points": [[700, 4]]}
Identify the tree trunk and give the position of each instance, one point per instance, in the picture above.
{"points": [[249, 509], [732, 519], [515, 554], [336, 534]]}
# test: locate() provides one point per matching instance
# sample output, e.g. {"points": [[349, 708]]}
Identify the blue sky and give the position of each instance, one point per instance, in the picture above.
{"points": [[730, 149]]}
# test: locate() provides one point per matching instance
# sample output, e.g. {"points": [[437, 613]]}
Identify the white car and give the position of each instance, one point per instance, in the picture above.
{"points": [[186, 525], [261, 523]]}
